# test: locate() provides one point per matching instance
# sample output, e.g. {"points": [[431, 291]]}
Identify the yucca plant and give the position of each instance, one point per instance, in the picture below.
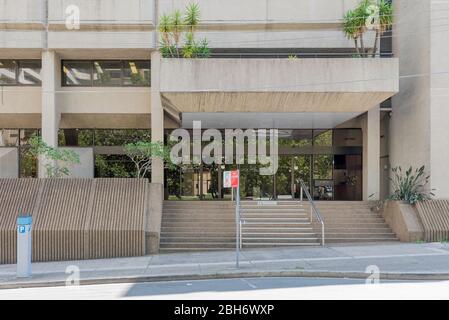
{"points": [[176, 25], [192, 17], [410, 185]]}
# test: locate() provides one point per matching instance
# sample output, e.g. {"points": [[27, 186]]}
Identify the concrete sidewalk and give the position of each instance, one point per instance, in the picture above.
{"points": [[428, 261]]}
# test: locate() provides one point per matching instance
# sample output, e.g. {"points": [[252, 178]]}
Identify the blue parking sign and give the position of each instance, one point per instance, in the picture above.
{"points": [[22, 229]]}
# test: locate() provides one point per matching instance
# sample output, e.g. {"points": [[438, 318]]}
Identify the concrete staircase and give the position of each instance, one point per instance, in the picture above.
{"points": [[197, 226], [210, 225], [276, 224], [352, 222]]}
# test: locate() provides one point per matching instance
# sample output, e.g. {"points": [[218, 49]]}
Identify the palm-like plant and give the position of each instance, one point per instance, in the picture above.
{"points": [[385, 21], [172, 27], [177, 26], [165, 30], [192, 17], [351, 28], [356, 21]]}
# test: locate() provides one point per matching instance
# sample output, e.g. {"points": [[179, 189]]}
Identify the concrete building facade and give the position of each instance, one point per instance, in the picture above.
{"points": [[282, 64]]}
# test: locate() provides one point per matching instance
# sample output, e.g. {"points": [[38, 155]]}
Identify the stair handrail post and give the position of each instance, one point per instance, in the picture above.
{"points": [[240, 235], [313, 210]]}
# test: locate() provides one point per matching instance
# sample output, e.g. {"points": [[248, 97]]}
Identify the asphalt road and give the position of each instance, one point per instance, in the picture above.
{"points": [[256, 288]]}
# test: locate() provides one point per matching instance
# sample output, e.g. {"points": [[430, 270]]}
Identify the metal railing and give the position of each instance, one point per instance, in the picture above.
{"points": [[313, 210]]}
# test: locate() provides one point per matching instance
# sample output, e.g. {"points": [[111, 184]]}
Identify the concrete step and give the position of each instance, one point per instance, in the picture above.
{"points": [[357, 240], [198, 245], [279, 235], [258, 224], [276, 219], [280, 244], [210, 225], [331, 229], [183, 249], [197, 233], [268, 229], [332, 220], [332, 235], [198, 240], [183, 229], [271, 210]]}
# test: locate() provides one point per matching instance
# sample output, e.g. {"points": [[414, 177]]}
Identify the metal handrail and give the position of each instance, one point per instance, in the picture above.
{"points": [[313, 209]]}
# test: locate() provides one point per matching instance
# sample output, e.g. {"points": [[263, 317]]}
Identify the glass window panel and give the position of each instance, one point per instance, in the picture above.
{"points": [[322, 138], [77, 73], [119, 137], [285, 177], [28, 163], [136, 73], [348, 138], [115, 166], [76, 137], [8, 72], [30, 73], [26, 134], [322, 167], [107, 73], [9, 138], [323, 190], [295, 138]]}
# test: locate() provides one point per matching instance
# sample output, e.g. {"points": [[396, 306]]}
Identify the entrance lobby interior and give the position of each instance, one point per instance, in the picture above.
{"points": [[329, 161]]}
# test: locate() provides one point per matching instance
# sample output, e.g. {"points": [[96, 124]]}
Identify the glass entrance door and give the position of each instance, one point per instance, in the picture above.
{"points": [[291, 169]]}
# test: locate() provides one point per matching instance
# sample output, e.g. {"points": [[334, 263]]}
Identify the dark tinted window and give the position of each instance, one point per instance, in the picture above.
{"points": [[106, 73], [77, 73]]}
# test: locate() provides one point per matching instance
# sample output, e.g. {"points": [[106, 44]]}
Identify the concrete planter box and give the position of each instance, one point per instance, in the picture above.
{"points": [[404, 221]]}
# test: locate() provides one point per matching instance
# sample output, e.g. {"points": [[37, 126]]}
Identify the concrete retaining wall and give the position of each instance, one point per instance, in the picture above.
{"points": [[434, 216], [76, 218], [404, 221]]}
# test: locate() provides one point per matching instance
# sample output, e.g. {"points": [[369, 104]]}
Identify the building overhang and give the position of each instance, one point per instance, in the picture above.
{"points": [[351, 85]]}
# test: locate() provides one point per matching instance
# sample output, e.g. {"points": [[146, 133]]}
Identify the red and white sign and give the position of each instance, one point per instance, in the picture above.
{"points": [[235, 179]]}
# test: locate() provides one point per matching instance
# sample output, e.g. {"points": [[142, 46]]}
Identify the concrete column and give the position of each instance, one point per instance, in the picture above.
{"points": [[50, 113], [157, 117], [371, 155], [154, 218]]}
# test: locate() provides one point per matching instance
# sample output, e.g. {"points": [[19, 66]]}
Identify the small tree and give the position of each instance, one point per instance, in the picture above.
{"points": [[369, 14], [410, 185], [173, 27], [142, 154], [56, 161]]}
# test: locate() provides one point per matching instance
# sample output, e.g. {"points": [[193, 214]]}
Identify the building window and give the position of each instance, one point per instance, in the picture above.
{"points": [[9, 138], [136, 73], [20, 72], [77, 73], [322, 138], [29, 73], [106, 73]]}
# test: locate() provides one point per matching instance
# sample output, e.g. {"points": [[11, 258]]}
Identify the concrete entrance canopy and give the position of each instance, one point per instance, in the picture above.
{"points": [[286, 120], [278, 85]]}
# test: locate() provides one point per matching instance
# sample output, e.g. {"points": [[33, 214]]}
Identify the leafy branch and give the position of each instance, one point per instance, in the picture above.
{"points": [[142, 154], [56, 161], [369, 14]]}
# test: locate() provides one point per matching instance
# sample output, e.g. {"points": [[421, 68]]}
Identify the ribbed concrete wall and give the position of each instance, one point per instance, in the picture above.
{"points": [[434, 216], [75, 218]]}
